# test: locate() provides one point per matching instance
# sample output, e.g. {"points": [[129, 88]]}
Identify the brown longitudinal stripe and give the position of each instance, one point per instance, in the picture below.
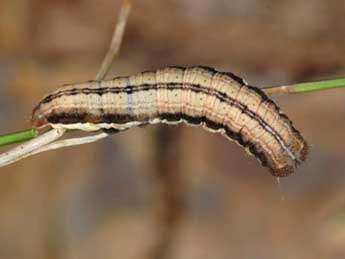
{"points": [[128, 88], [197, 121], [173, 86], [109, 118], [226, 104]]}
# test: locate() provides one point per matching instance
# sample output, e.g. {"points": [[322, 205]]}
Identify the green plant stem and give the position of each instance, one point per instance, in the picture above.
{"points": [[17, 137], [305, 87], [25, 135]]}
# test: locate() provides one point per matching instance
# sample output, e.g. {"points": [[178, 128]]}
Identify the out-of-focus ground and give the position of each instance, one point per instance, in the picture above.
{"points": [[98, 200]]}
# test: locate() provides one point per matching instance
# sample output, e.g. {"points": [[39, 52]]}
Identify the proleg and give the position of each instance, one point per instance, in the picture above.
{"points": [[217, 101]]}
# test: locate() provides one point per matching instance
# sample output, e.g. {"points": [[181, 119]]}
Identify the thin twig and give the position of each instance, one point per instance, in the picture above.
{"points": [[105, 67], [45, 142], [116, 41], [70, 142], [26, 148]]}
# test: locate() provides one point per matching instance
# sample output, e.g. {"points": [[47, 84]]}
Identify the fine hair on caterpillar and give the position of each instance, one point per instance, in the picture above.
{"points": [[218, 101]]}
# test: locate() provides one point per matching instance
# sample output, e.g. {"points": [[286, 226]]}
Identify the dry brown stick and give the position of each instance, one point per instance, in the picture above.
{"points": [[48, 140], [171, 192], [116, 41], [54, 247]]}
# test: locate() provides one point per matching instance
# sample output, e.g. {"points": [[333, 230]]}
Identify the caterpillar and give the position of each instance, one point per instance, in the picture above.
{"points": [[218, 101]]}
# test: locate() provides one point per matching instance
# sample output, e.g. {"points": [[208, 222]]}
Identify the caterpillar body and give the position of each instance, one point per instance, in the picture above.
{"points": [[217, 101]]}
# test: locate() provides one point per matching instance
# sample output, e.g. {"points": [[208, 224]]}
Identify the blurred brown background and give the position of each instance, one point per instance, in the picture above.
{"points": [[102, 200]]}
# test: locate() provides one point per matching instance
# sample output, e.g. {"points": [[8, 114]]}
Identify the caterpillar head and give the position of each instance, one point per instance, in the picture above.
{"points": [[38, 119]]}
